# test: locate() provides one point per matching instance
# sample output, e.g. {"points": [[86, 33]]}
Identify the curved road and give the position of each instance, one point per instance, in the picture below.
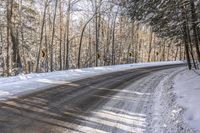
{"points": [[111, 103]]}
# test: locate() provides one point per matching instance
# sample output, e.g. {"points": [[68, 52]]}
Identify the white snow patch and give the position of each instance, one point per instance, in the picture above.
{"points": [[167, 114], [187, 89], [3, 93], [23, 84]]}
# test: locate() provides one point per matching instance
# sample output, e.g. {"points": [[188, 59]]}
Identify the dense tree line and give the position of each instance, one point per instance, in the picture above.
{"points": [[50, 35], [173, 19]]}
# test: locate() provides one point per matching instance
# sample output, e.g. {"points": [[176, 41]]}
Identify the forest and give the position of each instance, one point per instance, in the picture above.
{"points": [[53, 35]]}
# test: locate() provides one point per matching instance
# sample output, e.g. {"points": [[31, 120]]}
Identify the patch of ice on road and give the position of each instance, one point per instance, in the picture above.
{"points": [[23, 84], [187, 89]]}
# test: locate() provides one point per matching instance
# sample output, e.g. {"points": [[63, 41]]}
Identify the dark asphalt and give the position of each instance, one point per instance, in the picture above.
{"points": [[70, 107]]}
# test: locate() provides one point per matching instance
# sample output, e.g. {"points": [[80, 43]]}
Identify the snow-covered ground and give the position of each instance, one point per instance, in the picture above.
{"points": [[166, 114], [23, 84], [187, 89]]}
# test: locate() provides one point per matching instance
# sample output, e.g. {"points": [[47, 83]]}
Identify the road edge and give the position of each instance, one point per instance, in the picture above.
{"points": [[167, 115]]}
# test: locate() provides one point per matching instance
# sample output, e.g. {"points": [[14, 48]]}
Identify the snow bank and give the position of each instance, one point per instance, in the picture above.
{"points": [[187, 89], [23, 84], [166, 113]]}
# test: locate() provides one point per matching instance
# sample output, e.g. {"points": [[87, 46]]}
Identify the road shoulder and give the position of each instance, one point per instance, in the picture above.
{"points": [[167, 115], [187, 86]]}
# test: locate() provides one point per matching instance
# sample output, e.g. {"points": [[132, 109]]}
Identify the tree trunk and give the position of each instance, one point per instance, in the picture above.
{"points": [[9, 18], [194, 27], [66, 37], [113, 38], [61, 31], [52, 38], [41, 37], [185, 38], [150, 47], [81, 39]]}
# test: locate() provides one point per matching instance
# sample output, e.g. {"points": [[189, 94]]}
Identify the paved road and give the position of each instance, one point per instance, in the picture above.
{"points": [[111, 103]]}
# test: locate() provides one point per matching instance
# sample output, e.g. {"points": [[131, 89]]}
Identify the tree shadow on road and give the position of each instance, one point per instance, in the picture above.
{"points": [[72, 108]]}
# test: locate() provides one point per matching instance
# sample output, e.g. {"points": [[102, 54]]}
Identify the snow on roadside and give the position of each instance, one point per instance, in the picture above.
{"points": [[187, 89], [23, 84], [167, 115]]}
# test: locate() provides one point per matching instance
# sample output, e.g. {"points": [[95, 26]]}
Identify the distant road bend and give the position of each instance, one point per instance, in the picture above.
{"points": [[111, 103]]}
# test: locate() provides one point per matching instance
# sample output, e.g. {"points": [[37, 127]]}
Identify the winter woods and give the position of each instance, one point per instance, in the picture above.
{"points": [[50, 35], [177, 20]]}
